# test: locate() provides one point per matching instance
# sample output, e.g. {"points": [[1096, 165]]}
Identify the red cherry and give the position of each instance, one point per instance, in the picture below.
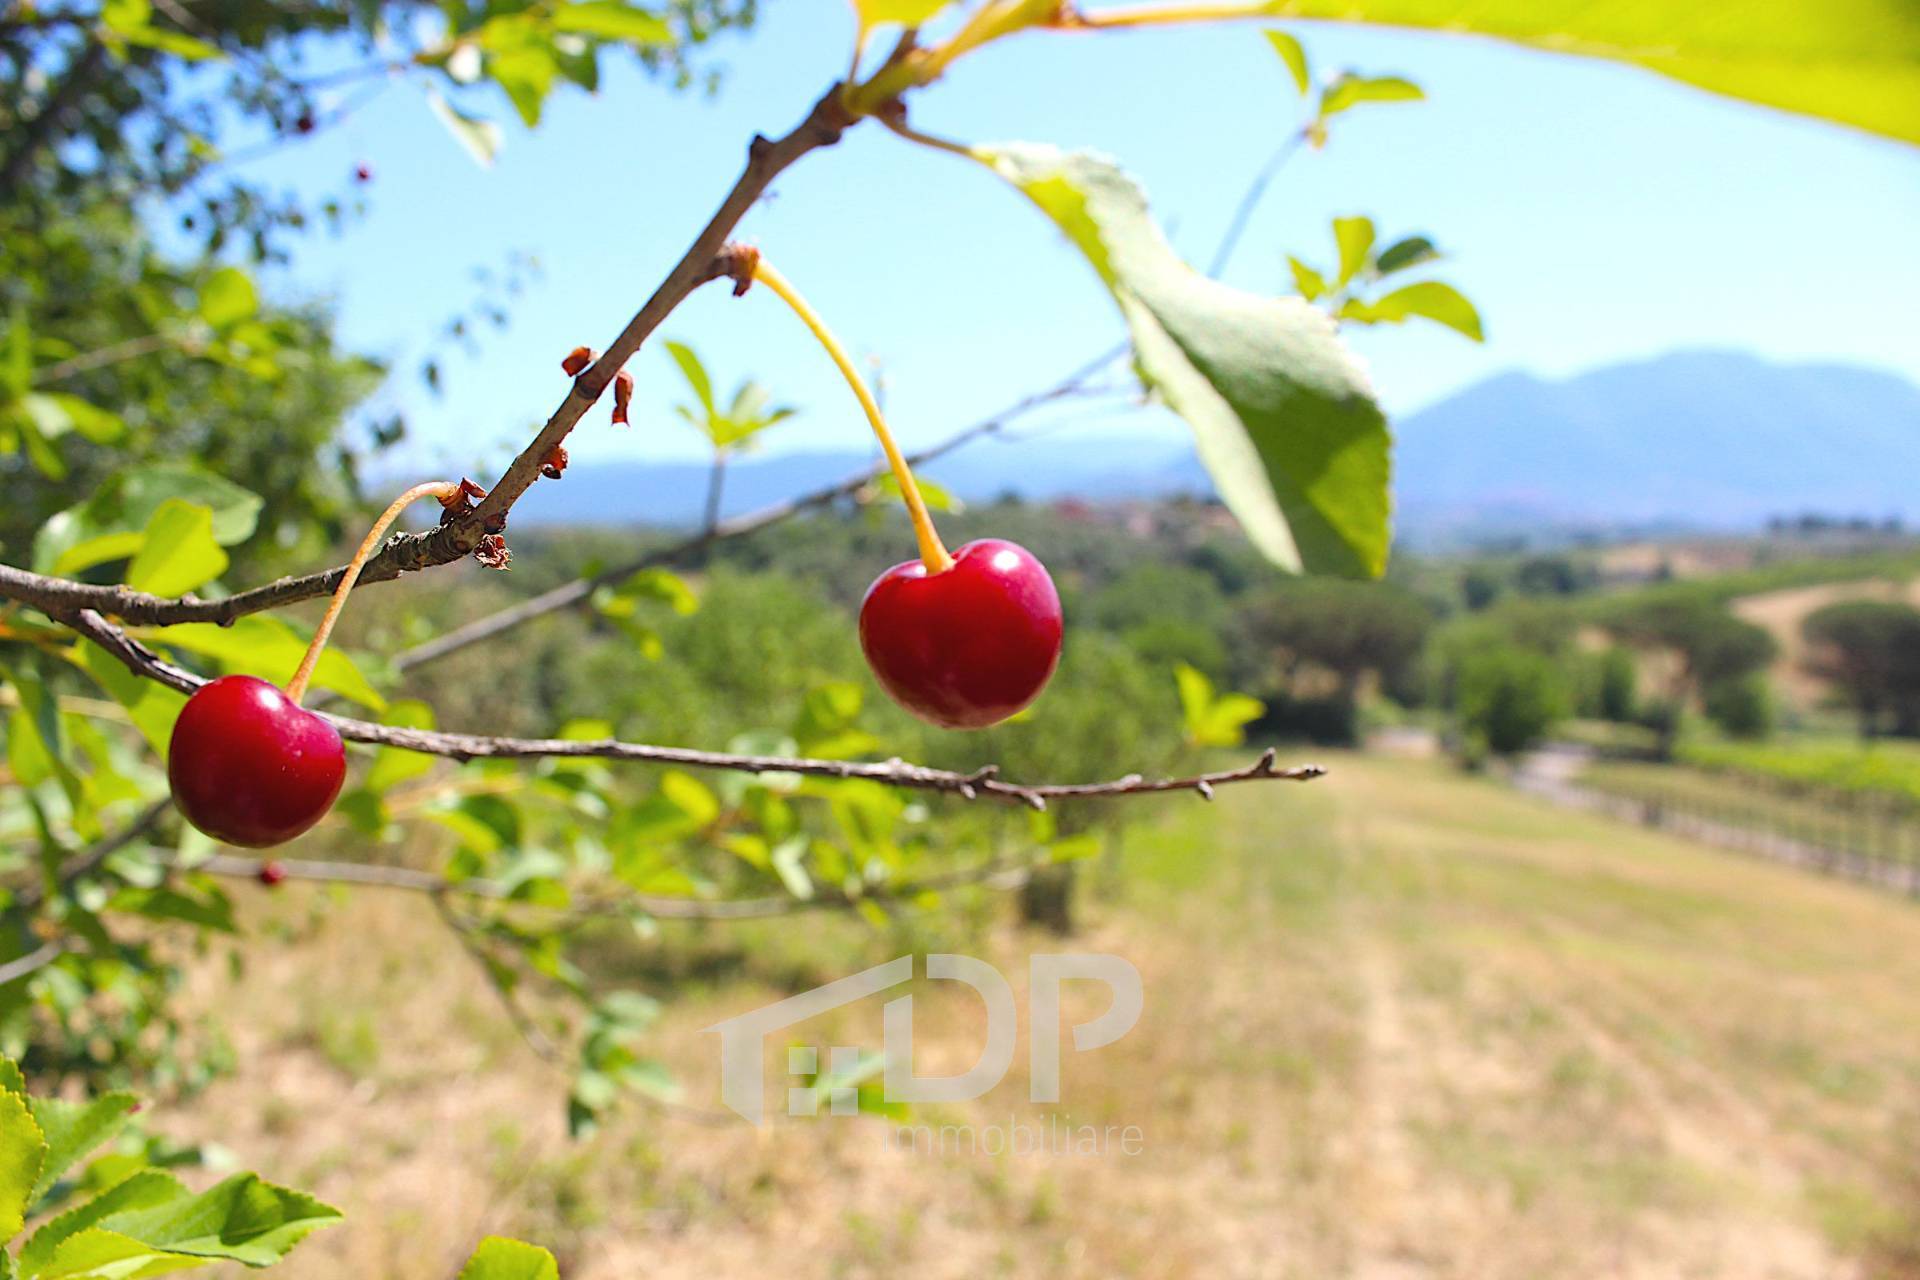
{"points": [[304, 124], [271, 872], [249, 766], [969, 647], [363, 173]]}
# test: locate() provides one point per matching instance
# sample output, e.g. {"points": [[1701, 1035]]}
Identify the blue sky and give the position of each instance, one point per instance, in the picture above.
{"points": [[1594, 213]]}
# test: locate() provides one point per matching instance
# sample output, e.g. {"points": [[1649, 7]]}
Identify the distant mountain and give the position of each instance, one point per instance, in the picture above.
{"points": [[1702, 440], [1706, 439]]}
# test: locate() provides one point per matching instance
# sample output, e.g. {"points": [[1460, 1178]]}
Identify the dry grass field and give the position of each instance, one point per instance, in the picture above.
{"points": [[1398, 1024]]}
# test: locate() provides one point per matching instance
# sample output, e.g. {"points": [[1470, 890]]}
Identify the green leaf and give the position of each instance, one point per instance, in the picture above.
{"points": [[1355, 238], [162, 903], [143, 1189], [1309, 282], [91, 421], [127, 501], [937, 496], [23, 1150], [152, 707], [177, 43], [478, 137], [391, 765], [1350, 90], [498, 1258], [266, 647], [227, 298], [177, 551], [11, 1081], [612, 20], [525, 73], [72, 1129], [100, 550], [695, 374], [1213, 720], [786, 859], [242, 1219], [1285, 420], [1430, 300], [99, 1254], [1402, 254], [906, 13], [1857, 63], [1293, 55], [663, 585]]}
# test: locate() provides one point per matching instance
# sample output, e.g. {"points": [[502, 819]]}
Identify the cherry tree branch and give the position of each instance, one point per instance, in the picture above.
{"points": [[581, 589], [984, 781], [703, 261]]}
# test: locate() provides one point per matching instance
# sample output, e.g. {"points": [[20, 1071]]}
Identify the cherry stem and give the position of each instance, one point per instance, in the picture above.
{"points": [[297, 687], [932, 551]]}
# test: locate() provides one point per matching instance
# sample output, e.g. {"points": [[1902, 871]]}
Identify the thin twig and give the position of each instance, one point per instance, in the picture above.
{"points": [[129, 349], [704, 260], [1237, 225], [89, 859], [580, 589], [34, 960], [523, 1022], [984, 781]]}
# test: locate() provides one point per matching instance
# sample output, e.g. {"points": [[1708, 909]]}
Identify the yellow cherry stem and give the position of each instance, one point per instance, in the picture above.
{"points": [[932, 551], [297, 687]]}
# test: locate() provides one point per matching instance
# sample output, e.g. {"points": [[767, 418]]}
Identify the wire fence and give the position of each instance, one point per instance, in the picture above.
{"points": [[1862, 836]]}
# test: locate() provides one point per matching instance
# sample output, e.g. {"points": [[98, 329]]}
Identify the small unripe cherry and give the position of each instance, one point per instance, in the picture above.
{"points": [[271, 872], [967, 647], [250, 766]]}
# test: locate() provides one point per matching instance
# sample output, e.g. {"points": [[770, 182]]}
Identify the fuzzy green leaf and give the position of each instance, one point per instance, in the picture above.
{"points": [[1355, 238], [1294, 55], [1308, 281], [479, 138], [1854, 61], [498, 1258], [144, 1189], [177, 550], [127, 501], [227, 298], [1430, 300], [242, 1219], [72, 1129], [392, 766], [612, 20], [1351, 90], [266, 647], [1285, 420], [1413, 251], [907, 13], [23, 1152]]}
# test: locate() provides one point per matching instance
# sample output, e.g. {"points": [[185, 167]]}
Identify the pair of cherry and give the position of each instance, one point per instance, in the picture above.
{"points": [[962, 649], [961, 640]]}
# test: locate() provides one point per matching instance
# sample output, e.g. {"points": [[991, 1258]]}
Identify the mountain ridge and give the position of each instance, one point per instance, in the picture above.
{"points": [[1708, 439]]}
